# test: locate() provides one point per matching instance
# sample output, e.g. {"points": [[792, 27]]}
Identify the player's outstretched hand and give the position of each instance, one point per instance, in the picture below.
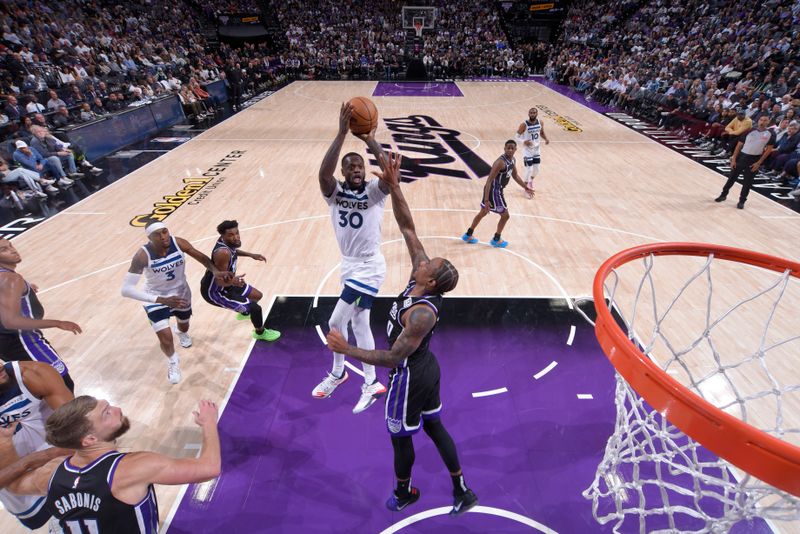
{"points": [[173, 302], [259, 257], [337, 342], [69, 326], [206, 413], [344, 117], [391, 169], [366, 136]]}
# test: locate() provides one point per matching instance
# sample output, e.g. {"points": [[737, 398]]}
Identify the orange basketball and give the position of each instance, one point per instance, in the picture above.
{"points": [[365, 115]]}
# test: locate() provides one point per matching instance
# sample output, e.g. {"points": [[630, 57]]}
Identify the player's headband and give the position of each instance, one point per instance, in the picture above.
{"points": [[154, 227]]}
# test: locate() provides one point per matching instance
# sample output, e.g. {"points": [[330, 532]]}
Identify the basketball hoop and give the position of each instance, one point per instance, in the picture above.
{"points": [[654, 469], [418, 27]]}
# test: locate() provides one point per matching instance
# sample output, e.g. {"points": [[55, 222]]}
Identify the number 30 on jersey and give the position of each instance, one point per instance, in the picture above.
{"points": [[353, 219]]}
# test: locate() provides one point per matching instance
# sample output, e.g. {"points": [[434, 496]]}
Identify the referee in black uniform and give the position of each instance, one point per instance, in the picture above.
{"points": [[747, 158]]}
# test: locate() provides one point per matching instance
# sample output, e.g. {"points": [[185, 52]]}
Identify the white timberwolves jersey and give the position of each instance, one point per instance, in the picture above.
{"points": [[18, 405], [532, 133], [165, 276], [356, 218]]}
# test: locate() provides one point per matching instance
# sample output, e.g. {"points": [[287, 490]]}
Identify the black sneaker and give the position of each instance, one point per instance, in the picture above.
{"points": [[740, 205], [395, 503], [721, 198], [464, 502]]}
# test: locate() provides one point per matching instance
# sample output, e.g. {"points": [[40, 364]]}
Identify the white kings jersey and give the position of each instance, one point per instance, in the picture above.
{"points": [[532, 133], [356, 218], [18, 405], [164, 276]]}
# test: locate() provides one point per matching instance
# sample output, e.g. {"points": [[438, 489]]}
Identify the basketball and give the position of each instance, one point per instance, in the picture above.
{"points": [[365, 115]]}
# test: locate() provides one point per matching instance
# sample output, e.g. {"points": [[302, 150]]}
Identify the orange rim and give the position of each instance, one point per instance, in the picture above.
{"points": [[762, 455]]}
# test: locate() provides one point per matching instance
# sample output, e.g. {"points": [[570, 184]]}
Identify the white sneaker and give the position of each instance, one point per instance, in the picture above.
{"points": [[46, 181], [40, 194], [65, 182], [174, 370], [96, 170], [328, 385], [369, 394], [184, 339], [51, 189]]}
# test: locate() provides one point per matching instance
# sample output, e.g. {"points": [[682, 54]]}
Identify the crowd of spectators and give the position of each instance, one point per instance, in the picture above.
{"points": [[65, 63], [367, 40], [707, 70]]}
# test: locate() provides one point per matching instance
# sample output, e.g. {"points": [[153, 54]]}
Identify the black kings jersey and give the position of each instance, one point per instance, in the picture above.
{"points": [[395, 327], [80, 499]]}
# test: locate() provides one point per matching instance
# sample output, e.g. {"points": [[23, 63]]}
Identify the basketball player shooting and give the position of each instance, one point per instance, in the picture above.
{"points": [[414, 400], [356, 212]]}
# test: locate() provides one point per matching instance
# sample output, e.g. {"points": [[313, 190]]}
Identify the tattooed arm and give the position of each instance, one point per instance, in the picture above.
{"points": [[419, 320]]}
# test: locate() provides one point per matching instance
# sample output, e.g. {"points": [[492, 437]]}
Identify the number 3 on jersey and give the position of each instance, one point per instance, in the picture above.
{"points": [[353, 219]]}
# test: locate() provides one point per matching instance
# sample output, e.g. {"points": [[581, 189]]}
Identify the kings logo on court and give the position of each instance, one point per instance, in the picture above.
{"points": [[429, 148]]}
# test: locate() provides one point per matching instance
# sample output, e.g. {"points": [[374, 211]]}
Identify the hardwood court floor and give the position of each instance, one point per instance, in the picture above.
{"points": [[601, 189]]}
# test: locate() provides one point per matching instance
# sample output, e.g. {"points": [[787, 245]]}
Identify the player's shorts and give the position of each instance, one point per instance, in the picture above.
{"points": [[159, 314], [532, 160], [362, 278], [30, 345], [231, 297], [413, 397], [497, 200]]}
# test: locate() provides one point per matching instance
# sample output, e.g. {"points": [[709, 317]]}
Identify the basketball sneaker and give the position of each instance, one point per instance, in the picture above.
{"points": [[502, 243], [464, 502], [325, 388], [242, 316], [396, 504], [267, 335], [183, 338], [470, 240], [369, 394], [174, 370]]}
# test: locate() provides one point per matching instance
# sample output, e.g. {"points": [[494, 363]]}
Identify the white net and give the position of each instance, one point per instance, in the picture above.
{"points": [[730, 335]]}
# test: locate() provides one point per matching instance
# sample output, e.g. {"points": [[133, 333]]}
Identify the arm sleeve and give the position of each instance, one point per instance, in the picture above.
{"points": [[130, 290]]}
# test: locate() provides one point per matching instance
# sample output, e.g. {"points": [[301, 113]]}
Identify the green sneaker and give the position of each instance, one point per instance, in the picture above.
{"points": [[242, 317], [267, 335]]}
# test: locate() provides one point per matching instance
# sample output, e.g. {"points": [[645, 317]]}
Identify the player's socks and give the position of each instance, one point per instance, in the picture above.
{"points": [[459, 487], [403, 488]]}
